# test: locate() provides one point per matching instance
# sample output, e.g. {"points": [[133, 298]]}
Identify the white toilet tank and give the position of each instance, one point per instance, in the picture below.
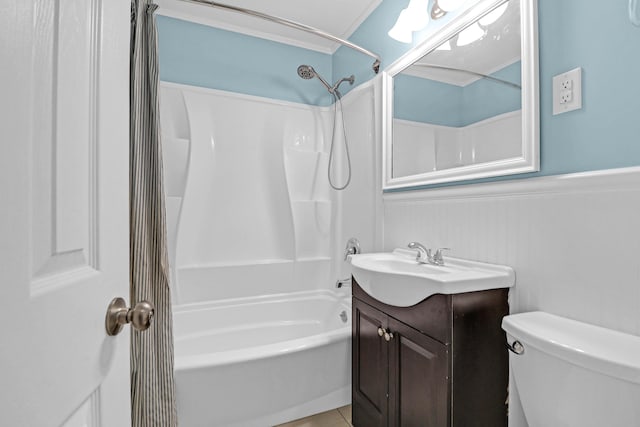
{"points": [[572, 374]]}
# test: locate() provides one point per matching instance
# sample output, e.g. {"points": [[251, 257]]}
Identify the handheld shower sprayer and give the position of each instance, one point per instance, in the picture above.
{"points": [[307, 72]]}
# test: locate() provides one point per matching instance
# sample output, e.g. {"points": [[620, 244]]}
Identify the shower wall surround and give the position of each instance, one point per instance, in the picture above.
{"points": [[249, 207]]}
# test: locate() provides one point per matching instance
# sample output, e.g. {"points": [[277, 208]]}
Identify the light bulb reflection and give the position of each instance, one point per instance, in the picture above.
{"points": [[493, 16], [470, 34], [401, 31], [445, 46], [415, 17]]}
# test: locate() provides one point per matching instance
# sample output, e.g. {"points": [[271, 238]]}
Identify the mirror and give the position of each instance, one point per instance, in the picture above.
{"points": [[464, 104]]}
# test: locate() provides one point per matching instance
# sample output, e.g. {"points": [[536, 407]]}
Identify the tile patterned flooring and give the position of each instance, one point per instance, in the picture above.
{"points": [[340, 417]]}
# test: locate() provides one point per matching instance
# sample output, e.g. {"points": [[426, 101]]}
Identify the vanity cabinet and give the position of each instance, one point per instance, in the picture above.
{"points": [[442, 362]]}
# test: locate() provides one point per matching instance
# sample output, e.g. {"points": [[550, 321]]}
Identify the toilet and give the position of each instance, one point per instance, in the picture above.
{"points": [[572, 374]]}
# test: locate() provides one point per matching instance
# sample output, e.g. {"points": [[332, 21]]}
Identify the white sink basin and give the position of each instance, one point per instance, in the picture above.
{"points": [[396, 278]]}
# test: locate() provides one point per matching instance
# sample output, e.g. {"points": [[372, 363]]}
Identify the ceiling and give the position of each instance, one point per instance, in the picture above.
{"points": [[338, 17]]}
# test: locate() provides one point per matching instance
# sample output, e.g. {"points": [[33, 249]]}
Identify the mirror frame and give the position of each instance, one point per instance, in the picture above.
{"points": [[530, 159]]}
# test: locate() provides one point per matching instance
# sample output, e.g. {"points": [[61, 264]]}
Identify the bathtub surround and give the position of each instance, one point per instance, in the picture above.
{"points": [[270, 245], [269, 232], [152, 382]]}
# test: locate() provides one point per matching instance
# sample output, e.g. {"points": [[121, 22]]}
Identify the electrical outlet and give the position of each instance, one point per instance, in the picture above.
{"points": [[566, 96], [566, 84], [567, 91]]}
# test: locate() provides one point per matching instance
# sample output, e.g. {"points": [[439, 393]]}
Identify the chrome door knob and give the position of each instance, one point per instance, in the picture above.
{"points": [[119, 315], [381, 332], [388, 336]]}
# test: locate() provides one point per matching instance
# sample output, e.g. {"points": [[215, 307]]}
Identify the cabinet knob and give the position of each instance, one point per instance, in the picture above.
{"points": [[388, 336], [381, 331]]}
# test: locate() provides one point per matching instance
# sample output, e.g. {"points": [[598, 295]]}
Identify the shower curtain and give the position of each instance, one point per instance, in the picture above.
{"points": [[152, 381]]}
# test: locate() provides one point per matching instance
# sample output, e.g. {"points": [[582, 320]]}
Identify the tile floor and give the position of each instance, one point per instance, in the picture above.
{"points": [[340, 417]]}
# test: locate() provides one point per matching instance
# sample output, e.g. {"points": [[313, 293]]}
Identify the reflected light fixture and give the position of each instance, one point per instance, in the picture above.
{"points": [[414, 18], [493, 16], [441, 7], [401, 30], [470, 34]]}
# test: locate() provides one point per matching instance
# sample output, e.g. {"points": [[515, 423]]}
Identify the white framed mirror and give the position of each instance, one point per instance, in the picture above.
{"points": [[464, 104]]}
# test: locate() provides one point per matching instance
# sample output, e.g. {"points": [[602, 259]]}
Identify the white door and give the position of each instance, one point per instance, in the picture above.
{"points": [[64, 68]]}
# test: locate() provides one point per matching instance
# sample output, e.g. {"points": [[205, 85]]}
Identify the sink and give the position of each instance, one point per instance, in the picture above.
{"points": [[396, 278]]}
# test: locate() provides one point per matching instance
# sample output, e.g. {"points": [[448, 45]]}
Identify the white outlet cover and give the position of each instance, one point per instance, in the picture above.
{"points": [[574, 77]]}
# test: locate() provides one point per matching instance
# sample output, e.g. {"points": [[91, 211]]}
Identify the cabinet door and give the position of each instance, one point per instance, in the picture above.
{"points": [[370, 367], [418, 379]]}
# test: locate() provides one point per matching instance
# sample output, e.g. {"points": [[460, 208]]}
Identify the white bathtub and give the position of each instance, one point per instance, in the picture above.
{"points": [[261, 361]]}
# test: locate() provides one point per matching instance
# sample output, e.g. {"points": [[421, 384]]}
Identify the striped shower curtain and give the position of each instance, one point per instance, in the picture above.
{"points": [[152, 382]]}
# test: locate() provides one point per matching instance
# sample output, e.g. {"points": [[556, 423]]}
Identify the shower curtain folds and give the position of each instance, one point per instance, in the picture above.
{"points": [[152, 380]]}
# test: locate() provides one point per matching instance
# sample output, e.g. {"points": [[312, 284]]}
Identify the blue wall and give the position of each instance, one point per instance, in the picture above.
{"points": [[572, 33], [430, 101], [203, 56], [605, 134]]}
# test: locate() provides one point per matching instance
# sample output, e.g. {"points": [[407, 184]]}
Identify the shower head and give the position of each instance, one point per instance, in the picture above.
{"points": [[307, 72]]}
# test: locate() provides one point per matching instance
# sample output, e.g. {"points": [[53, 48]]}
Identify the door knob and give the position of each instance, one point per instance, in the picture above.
{"points": [[119, 315]]}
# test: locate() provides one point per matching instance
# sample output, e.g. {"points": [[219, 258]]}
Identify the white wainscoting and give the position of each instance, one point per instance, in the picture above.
{"points": [[573, 240]]}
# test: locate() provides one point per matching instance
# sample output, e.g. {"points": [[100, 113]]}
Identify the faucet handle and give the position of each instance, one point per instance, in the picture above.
{"points": [[437, 257], [352, 248]]}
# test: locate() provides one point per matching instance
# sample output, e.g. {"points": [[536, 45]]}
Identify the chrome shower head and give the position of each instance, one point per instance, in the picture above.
{"points": [[307, 72]]}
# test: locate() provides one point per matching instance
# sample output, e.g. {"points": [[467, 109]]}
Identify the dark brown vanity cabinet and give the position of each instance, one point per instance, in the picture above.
{"points": [[439, 363]]}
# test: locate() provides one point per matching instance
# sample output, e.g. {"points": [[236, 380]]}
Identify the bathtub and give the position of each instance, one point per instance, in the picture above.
{"points": [[262, 361]]}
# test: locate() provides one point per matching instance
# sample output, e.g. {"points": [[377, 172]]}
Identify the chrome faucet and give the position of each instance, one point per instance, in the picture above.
{"points": [[437, 257], [424, 254]]}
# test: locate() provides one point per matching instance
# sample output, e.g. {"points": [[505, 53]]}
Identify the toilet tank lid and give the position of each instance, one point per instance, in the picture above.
{"points": [[592, 347]]}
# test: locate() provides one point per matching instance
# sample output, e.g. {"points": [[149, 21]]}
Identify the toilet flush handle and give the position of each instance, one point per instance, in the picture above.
{"points": [[516, 347]]}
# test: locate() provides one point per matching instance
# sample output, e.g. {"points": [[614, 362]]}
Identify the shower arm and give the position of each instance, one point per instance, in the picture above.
{"points": [[292, 24]]}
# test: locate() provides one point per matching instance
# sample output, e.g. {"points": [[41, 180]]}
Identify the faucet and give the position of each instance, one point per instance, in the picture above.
{"points": [[424, 254], [352, 248], [437, 258]]}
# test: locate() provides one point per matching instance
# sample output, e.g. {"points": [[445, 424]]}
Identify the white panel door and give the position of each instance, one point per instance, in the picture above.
{"points": [[64, 68]]}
